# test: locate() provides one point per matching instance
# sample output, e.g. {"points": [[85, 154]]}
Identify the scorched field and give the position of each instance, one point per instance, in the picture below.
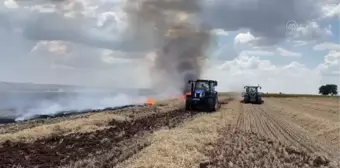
{"points": [[282, 132]]}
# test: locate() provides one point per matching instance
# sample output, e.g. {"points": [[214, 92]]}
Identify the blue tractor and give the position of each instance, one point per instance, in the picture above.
{"points": [[203, 96]]}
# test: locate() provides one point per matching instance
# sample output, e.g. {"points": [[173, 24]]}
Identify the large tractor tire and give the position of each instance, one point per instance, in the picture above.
{"points": [[259, 100], [213, 104]]}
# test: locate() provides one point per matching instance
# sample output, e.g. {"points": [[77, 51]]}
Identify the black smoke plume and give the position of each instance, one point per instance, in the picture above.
{"points": [[178, 36]]}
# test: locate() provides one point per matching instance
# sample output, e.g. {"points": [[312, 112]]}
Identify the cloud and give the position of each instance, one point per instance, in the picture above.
{"points": [[244, 38], [78, 19], [336, 72], [257, 53], [297, 43], [271, 51], [284, 52], [220, 32], [311, 31], [10, 4], [331, 10], [332, 58], [327, 46], [57, 47], [264, 19], [252, 70], [88, 41]]}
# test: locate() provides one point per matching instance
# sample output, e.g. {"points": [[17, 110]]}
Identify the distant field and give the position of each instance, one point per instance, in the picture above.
{"points": [[281, 95], [296, 95]]}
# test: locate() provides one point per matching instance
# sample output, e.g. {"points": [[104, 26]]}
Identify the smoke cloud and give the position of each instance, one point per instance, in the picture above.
{"points": [[170, 29], [177, 35], [76, 101]]}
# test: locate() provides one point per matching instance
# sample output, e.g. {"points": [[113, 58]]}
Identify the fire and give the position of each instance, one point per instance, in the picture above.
{"points": [[183, 96], [150, 101]]}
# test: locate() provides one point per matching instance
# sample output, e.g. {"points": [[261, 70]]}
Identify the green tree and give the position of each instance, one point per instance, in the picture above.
{"points": [[328, 89]]}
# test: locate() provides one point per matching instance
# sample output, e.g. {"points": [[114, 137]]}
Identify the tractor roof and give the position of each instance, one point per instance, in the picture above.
{"points": [[253, 87], [205, 80]]}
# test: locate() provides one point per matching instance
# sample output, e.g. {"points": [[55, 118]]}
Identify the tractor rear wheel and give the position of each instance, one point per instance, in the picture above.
{"points": [[213, 104]]}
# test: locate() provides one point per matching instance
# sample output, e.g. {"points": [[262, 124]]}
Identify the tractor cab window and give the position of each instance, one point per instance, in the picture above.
{"points": [[212, 86], [252, 89], [202, 85]]}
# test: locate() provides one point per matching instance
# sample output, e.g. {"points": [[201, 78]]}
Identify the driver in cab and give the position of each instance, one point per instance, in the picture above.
{"points": [[204, 86]]}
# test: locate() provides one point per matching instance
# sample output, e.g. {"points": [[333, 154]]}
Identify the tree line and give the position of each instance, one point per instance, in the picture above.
{"points": [[328, 89]]}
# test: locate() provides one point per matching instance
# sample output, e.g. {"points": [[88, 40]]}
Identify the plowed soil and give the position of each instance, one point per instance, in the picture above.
{"points": [[240, 149], [262, 120], [61, 150], [280, 133]]}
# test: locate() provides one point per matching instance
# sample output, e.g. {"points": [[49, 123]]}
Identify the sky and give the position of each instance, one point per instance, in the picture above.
{"points": [[289, 46]]}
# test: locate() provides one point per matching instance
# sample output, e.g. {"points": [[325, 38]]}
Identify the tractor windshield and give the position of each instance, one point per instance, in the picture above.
{"points": [[252, 89], [202, 85]]}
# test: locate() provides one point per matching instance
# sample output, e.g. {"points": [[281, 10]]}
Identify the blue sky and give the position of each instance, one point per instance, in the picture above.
{"points": [[85, 41]]}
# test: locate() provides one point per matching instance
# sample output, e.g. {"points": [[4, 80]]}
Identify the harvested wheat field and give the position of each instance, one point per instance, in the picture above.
{"points": [[282, 132]]}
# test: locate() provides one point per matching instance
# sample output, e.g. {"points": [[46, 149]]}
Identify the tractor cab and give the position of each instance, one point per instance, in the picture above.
{"points": [[202, 86], [252, 89]]}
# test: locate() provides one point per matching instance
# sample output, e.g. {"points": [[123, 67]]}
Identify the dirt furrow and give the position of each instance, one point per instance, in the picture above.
{"points": [[309, 122], [253, 127], [322, 102], [293, 134], [320, 131], [244, 150], [62, 150], [266, 126], [262, 121], [261, 138], [282, 131], [240, 124], [318, 110], [256, 117]]}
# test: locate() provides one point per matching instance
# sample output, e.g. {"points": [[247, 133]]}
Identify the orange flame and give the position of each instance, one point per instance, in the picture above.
{"points": [[183, 96], [150, 101]]}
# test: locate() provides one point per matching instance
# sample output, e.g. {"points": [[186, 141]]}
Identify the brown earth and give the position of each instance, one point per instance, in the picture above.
{"points": [[61, 150], [128, 111], [240, 149], [282, 132], [318, 121]]}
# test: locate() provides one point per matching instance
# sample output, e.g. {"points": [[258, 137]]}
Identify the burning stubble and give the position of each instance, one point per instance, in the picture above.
{"points": [[177, 36]]}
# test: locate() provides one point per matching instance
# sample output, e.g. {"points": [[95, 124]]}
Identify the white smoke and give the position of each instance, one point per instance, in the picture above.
{"points": [[79, 103]]}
